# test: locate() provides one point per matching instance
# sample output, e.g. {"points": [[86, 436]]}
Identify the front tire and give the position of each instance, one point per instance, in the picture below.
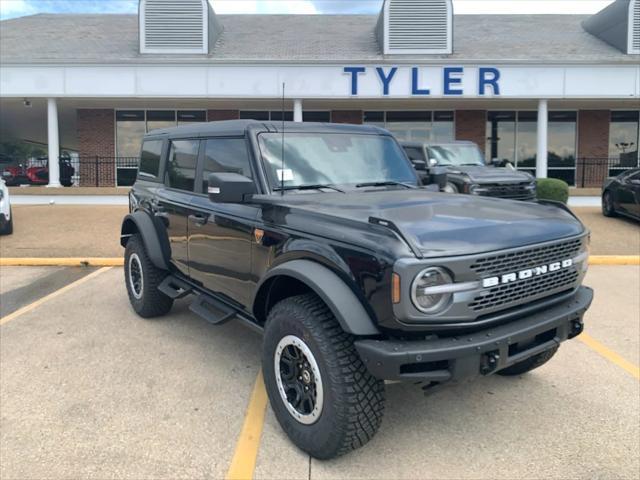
{"points": [[529, 364], [320, 391], [142, 278], [608, 209]]}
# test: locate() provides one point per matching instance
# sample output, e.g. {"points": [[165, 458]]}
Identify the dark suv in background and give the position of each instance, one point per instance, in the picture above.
{"points": [[322, 238], [468, 172]]}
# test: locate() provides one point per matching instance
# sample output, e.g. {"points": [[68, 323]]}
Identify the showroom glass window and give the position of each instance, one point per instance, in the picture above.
{"points": [[181, 165], [414, 125], [225, 155], [131, 125], [276, 115], [513, 136], [624, 137]]}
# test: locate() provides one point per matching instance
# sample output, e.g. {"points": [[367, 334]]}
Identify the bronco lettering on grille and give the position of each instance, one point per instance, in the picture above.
{"points": [[525, 274]]}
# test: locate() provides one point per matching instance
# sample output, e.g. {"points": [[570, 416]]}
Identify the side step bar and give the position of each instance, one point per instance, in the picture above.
{"points": [[174, 288], [211, 310]]}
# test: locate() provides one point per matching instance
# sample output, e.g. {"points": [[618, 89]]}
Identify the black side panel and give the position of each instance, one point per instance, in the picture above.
{"points": [[332, 290], [143, 223]]}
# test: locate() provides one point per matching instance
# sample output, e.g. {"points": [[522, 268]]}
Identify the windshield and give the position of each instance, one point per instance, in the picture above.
{"points": [[333, 159], [458, 155]]}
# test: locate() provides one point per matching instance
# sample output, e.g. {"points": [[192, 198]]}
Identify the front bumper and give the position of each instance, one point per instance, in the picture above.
{"points": [[479, 353]]}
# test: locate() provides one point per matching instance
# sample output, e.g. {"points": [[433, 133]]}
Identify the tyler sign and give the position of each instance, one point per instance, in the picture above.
{"points": [[425, 81]]}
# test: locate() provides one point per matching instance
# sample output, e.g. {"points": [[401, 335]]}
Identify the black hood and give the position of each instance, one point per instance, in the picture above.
{"points": [[437, 224], [479, 174]]}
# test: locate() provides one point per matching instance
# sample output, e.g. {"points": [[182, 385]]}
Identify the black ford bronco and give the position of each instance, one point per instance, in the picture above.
{"points": [[468, 172], [321, 237]]}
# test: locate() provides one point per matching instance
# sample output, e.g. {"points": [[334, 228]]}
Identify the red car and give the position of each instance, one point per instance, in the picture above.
{"points": [[21, 174]]}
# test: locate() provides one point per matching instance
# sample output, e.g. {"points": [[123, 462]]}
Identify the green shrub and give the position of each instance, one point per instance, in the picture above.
{"points": [[553, 189]]}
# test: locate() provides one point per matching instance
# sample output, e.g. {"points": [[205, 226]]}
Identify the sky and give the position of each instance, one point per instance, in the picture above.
{"points": [[18, 8]]}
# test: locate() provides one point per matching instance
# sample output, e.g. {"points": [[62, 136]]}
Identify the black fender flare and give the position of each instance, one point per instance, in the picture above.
{"points": [[143, 223], [333, 291]]}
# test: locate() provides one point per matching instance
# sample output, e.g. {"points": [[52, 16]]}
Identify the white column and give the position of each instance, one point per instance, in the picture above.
{"points": [[297, 110], [543, 126], [54, 143]]}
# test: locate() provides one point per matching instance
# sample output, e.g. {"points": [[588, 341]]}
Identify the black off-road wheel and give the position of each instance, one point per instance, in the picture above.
{"points": [[142, 278], [320, 391], [529, 364], [608, 209]]}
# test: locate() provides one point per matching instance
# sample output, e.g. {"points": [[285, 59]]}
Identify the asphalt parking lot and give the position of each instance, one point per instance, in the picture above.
{"points": [[89, 390]]}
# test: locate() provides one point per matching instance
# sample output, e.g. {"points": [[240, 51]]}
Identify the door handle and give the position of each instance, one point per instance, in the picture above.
{"points": [[199, 219]]}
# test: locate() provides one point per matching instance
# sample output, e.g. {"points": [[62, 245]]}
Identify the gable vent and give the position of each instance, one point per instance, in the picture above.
{"points": [[417, 26], [174, 26], [634, 27]]}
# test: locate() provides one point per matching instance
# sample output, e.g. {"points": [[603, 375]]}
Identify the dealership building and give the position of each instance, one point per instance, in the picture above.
{"points": [[556, 95]]}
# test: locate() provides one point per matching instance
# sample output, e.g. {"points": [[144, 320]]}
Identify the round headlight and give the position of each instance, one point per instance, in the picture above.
{"points": [[424, 297]]}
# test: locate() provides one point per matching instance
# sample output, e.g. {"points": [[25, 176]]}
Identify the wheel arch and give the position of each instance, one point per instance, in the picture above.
{"points": [[156, 244], [302, 276]]}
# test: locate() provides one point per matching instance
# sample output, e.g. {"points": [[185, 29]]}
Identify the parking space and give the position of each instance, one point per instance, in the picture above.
{"points": [[87, 389]]}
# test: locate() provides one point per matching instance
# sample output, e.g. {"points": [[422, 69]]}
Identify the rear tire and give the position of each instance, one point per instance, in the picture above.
{"points": [[529, 364], [608, 209], [7, 229], [142, 278], [344, 406]]}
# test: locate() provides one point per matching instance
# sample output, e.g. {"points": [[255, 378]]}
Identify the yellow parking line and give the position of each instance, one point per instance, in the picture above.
{"points": [[52, 295], [610, 355], [244, 458], [614, 260], [62, 262]]}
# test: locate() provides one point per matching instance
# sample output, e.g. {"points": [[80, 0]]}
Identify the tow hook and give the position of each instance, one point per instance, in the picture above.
{"points": [[576, 328], [489, 362]]}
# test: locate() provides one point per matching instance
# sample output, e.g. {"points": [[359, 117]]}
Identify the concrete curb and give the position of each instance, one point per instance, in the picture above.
{"points": [[62, 262], [119, 261], [614, 260]]}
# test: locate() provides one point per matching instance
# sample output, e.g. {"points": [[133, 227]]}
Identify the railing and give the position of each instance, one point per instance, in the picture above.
{"points": [[592, 172], [85, 171]]}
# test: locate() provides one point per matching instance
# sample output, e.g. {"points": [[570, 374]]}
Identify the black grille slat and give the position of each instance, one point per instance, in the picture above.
{"points": [[507, 295]]}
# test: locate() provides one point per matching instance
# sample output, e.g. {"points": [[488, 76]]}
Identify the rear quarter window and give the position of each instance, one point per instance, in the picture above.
{"points": [[150, 158]]}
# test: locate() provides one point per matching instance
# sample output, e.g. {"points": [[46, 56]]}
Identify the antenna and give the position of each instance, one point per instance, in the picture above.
{"points": [[282, 154]]}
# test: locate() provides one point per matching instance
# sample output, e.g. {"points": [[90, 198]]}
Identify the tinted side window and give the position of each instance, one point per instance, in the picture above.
{"points": [[225, 155], [414, 153], [181, 167], [150, 157]]}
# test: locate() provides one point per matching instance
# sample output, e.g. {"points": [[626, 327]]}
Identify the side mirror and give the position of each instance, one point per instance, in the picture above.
{"points": [[496, 162], [229, 187], [438, 176], [433, 162], [635, 181]]}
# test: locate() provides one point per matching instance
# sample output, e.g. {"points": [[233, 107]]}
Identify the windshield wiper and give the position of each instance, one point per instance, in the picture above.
{"points": [[307, 187], [383, 184]]}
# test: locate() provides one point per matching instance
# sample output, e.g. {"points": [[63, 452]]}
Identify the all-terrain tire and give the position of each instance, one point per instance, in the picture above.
{"points": [[529, 364], [7, 229], [147, 300], [353, 400], [608, 209]]}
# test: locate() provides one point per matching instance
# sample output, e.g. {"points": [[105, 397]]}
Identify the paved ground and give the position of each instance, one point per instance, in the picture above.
{"points": [[610, 236], [93, 231], [67, 230], [88, 390]]}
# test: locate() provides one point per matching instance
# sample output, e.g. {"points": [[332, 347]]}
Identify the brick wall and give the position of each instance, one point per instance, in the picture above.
{"points": [[593, 146], [347, 116], [96, 138], [471, 125], [215, 115]]}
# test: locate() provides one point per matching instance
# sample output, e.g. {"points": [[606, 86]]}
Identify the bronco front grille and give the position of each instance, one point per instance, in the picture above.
{"points": [[533, 257], [516, 191], [526, 290]]}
